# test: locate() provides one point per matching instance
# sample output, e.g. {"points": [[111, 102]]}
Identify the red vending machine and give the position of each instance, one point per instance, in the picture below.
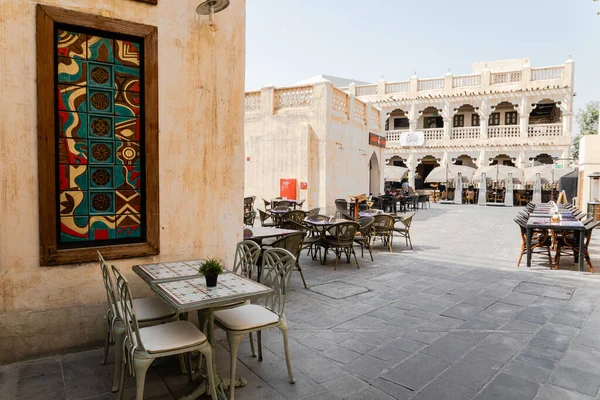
{"points": [[287, 188]]}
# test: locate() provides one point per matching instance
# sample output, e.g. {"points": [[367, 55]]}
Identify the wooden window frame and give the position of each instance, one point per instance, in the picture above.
{"points": [[50, 254], [511, 114], [475, 120], [492, 116], [458, 121]]}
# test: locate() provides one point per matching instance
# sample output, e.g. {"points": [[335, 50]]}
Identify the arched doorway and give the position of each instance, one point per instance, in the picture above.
{"points": [[374, 175], [426, 164], [502, 159]]}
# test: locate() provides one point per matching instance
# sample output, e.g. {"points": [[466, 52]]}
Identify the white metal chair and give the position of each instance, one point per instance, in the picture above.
{"points": [[151, 311], [277, 267], [143, 345]]}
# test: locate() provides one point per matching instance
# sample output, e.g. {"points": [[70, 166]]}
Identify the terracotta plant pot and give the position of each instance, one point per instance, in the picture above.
{"points": [[211, 281]]}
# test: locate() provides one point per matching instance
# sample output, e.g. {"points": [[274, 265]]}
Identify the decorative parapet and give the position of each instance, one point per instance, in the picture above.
{"points": [[360, 110], [341, 101], [397, 87], [540, 74], [366, 90], [301, 96], [466, 80], [431, 84], [252, 101], [506, 77]]}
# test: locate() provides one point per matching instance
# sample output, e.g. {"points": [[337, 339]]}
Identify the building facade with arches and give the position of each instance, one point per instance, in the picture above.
{"points": [[330, 142], [505, 112]]}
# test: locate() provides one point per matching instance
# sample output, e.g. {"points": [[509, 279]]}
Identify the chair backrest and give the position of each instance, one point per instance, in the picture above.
{"points": [[245, 262], [282, 203], [299, 204], [365, 225], [108, 286], [132, 329], [295, 215], [267, 203], [383, 223], [249, 217], [312, 212], [407, 220], [277, 267], [291, 242], [341, 205], [318, 217], [344, 231], [343, 215], [263, 216]]}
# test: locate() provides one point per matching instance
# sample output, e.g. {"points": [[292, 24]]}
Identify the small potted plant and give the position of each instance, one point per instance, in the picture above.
{"points": [[211, 269]]}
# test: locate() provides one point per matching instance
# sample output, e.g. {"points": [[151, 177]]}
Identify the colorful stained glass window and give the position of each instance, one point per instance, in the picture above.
{"points": [[99, 139]]}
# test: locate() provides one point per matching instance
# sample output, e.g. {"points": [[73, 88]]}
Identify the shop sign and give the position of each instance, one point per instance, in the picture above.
{"points": [[376, 140], [412, 139]]}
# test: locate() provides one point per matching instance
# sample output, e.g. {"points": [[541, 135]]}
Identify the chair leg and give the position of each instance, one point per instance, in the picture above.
{"points": [[549, 257], [521, 255], [389, 240], [141, 366], [370, 252], [259, 341], [336, 263], [301, 274], [234, 344], [119, 338], [107, 340], [355, 259], [284, 331], [207, 351], [121, 383], [409, 239], [252, 344]]}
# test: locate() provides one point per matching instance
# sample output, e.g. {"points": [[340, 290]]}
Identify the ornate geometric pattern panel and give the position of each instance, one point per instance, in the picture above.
{"points": [[99, 139]]}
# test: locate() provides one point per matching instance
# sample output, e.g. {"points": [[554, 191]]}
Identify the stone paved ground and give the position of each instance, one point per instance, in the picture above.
{"points": [[452, 319]]}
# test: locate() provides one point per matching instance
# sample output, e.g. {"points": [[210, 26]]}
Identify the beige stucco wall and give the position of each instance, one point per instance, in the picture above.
{"points": [[45, 310], [589, 162], [312, 144]]}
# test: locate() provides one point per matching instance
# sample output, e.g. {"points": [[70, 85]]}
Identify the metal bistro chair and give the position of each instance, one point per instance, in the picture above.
{"points": [[341, 205], [281, 204], [364, 239], [341, 240], [295, 215], [264, 219], [540, 239], [267, 313], [267, 203], [313, 211], [151, 311], [299, 204], [249, 203], [249, 218], [143, 345], [343, 215], [383, 227], [424, 199], [568, 244], [404, 229], [292, 243]]}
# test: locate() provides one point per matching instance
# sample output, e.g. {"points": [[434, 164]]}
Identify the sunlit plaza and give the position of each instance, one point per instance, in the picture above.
{"points": [[229, 199]]}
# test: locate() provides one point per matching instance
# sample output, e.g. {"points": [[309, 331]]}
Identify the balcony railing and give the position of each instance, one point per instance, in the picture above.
{"points": [[431, 84], [396, 87], [434, 133], [466, 80], [504, 131], [394, 136], [366, 90], [538, 74], [470, 132], [506, 77], [545, 130]]}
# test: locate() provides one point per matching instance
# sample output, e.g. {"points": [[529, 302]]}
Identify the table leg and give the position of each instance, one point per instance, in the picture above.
{"points": [[528, 244], [581, 249]]}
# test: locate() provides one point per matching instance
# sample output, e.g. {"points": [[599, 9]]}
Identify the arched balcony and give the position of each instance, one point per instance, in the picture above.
{"points": [[431, 123], [465, 123], [503, 122], [545, 119]]}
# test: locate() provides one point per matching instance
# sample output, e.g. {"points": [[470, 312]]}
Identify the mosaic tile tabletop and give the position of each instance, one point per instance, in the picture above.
{"points": [[168, 271], [193, 292]]}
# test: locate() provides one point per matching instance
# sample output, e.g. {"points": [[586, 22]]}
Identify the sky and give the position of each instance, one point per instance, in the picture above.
{"points": [[291, 40]]}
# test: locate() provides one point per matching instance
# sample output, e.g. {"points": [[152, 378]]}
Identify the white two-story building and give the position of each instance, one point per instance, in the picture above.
{"points": [[505, 112]]}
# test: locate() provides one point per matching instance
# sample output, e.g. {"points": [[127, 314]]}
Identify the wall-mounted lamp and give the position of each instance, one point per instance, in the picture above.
{"points": [[339, 144], [210, 7], [362, 152]]}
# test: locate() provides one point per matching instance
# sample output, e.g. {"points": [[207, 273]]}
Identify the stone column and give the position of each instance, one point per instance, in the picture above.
{"points": [[484, 110], [524, 109], [413, 117], [482, 190], [458, 189], [411, 169], [508, 199]]}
